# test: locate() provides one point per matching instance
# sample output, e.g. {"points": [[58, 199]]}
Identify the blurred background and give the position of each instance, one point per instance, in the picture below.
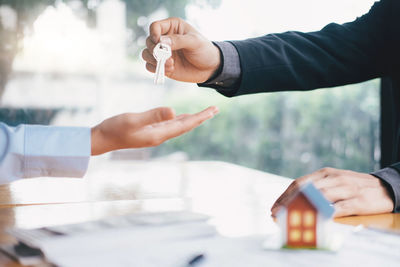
{"points": [[77, 62]]}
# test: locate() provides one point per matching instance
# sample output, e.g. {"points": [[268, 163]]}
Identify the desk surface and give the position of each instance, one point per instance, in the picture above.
{"points": [[237, 198]]}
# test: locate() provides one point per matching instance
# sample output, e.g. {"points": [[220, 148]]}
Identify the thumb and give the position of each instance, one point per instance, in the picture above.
{"points": [[180, 41], [155, 115]]}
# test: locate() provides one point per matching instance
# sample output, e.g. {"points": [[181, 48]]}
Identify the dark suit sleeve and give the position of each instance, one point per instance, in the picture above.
{"points": [[366, 48], [336, 55], [391, 179]]}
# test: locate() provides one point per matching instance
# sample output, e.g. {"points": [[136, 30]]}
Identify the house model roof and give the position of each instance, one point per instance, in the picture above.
{"points": [[324, 207]]}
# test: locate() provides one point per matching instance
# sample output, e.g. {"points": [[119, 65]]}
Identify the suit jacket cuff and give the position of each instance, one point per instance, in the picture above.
{"points": [[227, 78], [391, 178]]}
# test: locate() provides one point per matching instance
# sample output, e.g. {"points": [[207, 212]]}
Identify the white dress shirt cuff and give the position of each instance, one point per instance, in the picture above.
{"points": [[32, 151], [56, 151]]}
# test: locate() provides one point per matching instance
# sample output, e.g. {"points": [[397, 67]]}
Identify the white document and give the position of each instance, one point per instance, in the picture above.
{"points": [[176, 242], [129, 238], [142, 246], [166, 249]]}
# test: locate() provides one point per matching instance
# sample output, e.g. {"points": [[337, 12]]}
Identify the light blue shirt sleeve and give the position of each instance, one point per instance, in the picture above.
{"points": [[30, 151]]}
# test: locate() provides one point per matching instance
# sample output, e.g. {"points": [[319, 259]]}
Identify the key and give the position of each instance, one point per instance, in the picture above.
{"points": [[161, 53]]}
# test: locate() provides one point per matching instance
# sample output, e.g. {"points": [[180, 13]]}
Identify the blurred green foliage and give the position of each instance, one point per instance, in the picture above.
{"points": [[291, 133]]}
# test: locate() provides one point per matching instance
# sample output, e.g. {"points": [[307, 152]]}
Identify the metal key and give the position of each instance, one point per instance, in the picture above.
{"points": [[161, 53]]}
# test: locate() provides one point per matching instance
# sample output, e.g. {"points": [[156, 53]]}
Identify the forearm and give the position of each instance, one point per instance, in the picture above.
{"points": [[34, 151], [336, 55]]}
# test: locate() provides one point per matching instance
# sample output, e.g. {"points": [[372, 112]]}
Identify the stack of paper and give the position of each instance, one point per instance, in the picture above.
{"points": [[117, 241], [174, 239]]}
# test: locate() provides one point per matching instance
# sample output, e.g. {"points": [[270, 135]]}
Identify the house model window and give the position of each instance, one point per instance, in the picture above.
{"points": [[301, 226]]}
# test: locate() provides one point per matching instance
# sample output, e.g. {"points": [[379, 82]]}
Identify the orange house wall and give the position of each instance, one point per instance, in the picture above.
{"points": [[301, 204]]}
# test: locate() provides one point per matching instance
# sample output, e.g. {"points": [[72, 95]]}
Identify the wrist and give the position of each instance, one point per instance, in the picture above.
{"points": [[96, 143], [217, 68]]}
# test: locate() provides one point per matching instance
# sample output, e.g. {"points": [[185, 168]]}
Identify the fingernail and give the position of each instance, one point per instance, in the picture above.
{"points": [[274, 210], [165, 40], [216, 110]]}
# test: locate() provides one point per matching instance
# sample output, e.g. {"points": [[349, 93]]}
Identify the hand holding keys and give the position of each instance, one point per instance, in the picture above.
{"points": [[161, 53]]}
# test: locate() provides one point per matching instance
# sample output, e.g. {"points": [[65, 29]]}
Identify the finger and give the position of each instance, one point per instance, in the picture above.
{"points": [[346, 207], [182, 41], [175, 127], [213, 109], [292, 189], [339, 193], [150, 67], [168, 26], [150, 44], [327, 182], [158, 28], [198, 117], [154, 116], [275, 211], [370, 201], [169, 62], [295, 186], [169, 67], [181, 116], [148, 57], [332, 194], [202, 114]]}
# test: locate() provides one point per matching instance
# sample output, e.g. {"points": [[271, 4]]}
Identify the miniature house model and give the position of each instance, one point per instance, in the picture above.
{"points": [[304, 218]]}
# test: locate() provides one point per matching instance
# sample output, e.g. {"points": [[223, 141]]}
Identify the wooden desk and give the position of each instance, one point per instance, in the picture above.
{"points": [[237, 198]]}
